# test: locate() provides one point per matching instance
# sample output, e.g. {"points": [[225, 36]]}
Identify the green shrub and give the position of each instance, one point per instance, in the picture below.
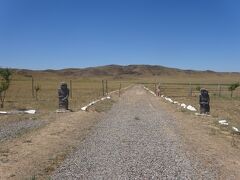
{"points": [[233, 87], [5, 80]]}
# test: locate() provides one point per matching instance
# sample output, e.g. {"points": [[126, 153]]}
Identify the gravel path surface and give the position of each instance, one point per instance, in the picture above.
{"points": [[13, 129], [135, 140]]}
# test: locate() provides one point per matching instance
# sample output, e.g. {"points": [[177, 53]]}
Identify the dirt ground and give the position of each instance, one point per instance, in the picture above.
{"points": [[38, 153], [208, 140]]}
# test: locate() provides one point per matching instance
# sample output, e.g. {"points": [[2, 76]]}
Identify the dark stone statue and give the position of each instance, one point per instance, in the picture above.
{"points": [[63, 94], [204, 101]]}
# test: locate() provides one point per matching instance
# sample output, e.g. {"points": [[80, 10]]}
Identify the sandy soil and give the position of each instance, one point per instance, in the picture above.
{"points": [[207, 140], [39, 152]]}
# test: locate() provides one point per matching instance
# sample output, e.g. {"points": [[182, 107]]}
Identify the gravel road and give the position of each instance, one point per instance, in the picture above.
{"points": [[135, 140], [12, 129]]}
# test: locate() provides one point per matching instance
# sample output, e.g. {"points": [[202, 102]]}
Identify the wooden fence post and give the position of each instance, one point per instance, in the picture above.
{"points": [[71, 89], [219, 90], [103, 87], [190, 89], [119, 92], [155, 86], [106, 87], [32, 87]]}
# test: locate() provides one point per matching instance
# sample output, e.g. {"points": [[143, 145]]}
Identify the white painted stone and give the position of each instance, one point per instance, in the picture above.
{"points": [[31, 111], [235, 129], [223, 122], [183, 105], [191, 108]]}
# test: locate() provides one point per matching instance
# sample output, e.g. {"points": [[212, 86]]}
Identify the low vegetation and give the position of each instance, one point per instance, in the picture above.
{"points": [[86, 85], [233, 87], [5, 75], [25, 88]]}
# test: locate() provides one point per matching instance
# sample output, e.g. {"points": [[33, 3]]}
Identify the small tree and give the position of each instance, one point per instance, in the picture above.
{"points": [[5, 75], [233, 87], [37, 88]]}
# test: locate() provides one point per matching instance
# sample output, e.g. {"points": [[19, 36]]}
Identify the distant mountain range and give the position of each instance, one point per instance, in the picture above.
{"points": [[118, 70]]}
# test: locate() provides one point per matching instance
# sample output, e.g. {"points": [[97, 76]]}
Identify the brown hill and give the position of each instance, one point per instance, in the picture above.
{"points": [[118, 71]]}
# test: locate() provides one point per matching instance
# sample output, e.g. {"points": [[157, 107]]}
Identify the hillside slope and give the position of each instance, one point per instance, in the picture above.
{"points": [[117, 70]]}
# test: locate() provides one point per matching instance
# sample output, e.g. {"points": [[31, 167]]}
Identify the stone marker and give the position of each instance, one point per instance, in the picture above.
{"points": [[63, 94], [204, 101]]}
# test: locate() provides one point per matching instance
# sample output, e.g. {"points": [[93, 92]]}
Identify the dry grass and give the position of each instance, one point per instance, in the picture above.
{"points": [[222, 107], [19, 95], [85, 89]]}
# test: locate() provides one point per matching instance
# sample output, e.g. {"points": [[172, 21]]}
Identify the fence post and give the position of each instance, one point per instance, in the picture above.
{"points": [[219, 90], [71, 89], [106, 87], [32, 87], [237, 92], [103, 87], [190, 89], [155, 86], [119, 93]]}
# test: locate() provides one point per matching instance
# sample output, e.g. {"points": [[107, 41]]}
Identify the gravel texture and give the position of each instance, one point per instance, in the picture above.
{"points": [[15, 128], [135, 140]]}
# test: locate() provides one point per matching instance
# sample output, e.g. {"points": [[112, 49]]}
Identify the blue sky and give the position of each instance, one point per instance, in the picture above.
{"points": [[55, 34]]}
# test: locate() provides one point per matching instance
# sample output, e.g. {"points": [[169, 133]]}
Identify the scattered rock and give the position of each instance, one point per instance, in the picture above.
{"points": [[191, 108], [223, 122], [183, 105], [235, 130]]}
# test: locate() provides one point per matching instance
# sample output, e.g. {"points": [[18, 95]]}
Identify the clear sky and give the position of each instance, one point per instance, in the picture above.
{"points": [[55, 34]]}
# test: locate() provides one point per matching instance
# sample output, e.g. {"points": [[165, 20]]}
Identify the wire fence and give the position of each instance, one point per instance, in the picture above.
{"points": [[190, 89], [23, 93]]}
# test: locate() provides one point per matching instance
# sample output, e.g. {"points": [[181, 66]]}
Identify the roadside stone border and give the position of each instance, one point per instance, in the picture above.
{"points": [[84, 108], [30, 111], [193, 109], [188, 107]]}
